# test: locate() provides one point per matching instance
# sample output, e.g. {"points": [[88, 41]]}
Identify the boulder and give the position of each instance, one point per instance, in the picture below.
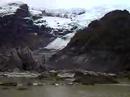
{"points": [[91, 78], [9, 83]]}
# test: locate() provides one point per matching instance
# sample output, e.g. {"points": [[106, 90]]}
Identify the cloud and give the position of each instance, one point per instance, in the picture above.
{"points": [[75, 3], [71, 3], [43, 3], [7, 1]]}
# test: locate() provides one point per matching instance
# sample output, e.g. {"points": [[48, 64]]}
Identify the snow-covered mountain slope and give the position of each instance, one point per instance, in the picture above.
{"points": [[53, 22], [10, 8], [52, 25], [61, 23], [97, 12], [58, 18], [80, 16], [82, 20], [64, 13]]}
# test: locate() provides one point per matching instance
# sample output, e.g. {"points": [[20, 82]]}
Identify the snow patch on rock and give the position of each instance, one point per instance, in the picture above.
{"points": [[9, 8], [60, 43]]}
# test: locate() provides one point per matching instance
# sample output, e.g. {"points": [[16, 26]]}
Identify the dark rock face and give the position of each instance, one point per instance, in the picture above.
{"points": [[102, 46], [21, 59], [22, 39], [22, 11], [20, 26], [15, 27], [18, 36]]}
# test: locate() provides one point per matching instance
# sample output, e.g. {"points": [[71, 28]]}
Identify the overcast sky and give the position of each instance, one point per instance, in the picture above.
{"points": [[72, 3]]}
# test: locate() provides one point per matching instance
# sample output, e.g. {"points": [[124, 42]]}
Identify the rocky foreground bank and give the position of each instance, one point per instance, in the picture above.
{"points": [[56, 77]]}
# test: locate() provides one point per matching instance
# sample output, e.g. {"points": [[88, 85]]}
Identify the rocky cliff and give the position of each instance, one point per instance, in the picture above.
{"points": [[24, 32], [16, 27], [102, 46], [18, 36]]}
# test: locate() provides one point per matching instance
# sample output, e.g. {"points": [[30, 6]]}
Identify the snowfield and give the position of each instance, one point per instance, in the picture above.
{"points": [[10, 8], [35, 12], [60, 43], [54, 22]]}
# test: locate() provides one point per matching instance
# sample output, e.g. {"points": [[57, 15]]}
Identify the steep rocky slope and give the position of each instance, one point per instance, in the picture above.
{"points": [[24, 32], [102, 46], [18, 35]]}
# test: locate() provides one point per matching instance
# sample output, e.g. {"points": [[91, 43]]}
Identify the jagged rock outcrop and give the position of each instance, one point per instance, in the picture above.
{"points": [[18, 35], [11, 59], [22, 59], [103, 46]]}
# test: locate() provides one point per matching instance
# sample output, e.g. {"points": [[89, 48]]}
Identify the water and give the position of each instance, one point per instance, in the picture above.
{"points": [[119, 90]]}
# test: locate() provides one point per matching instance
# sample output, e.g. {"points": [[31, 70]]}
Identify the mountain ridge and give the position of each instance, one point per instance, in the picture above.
{"points": [[102, 46]]}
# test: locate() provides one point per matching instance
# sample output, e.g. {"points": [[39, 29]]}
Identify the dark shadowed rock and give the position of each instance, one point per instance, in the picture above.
{"points": [[20, 58], [27, 57], [22, 11], [19, 36], [16, 28], [91, 78], [102, 46], [8, 83]]}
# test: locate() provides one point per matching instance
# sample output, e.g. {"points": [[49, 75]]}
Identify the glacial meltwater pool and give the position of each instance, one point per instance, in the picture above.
{"points": [[111, 90]]}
